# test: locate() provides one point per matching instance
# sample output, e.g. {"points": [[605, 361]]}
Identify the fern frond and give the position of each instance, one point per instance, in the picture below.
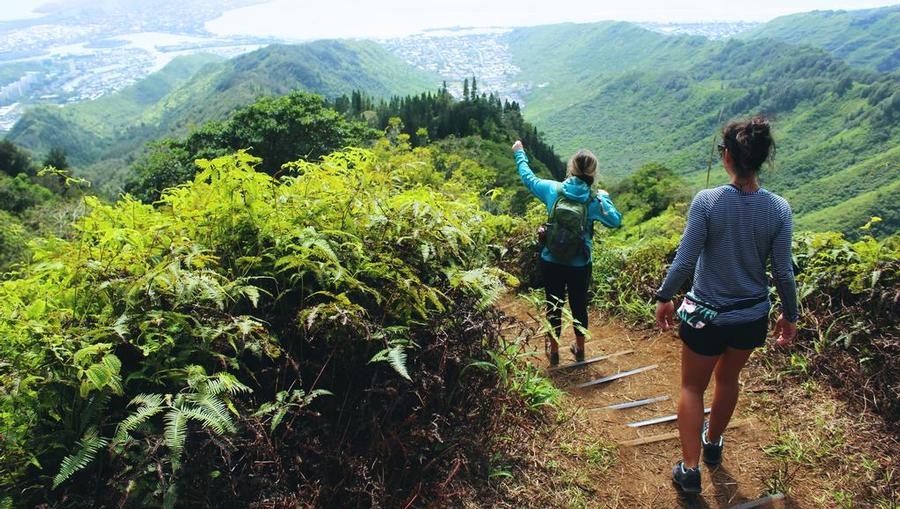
{"points": [[216, 409], [206, 418], [223, 382], [88, 447], [175, 434], [95, 406], [148, 406], [397, 359]]}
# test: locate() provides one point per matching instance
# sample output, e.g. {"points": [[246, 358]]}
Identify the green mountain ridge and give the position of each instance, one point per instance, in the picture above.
{"points": [[633, 95], [868, 38], [636, 97], [103, 136]]}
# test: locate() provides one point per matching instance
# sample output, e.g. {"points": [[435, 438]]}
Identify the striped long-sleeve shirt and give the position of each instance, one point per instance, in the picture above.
{"points": [[729, 237]]}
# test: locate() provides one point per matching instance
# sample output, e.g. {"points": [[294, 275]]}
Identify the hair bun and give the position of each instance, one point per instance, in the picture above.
{"points": [[750, 143], [758, 127]]}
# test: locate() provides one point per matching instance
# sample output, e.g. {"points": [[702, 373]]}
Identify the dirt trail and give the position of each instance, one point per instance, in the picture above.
{"points": [[641, 477]]}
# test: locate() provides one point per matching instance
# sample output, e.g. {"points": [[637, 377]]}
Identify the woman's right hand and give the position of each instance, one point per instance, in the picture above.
{"points": [[785, 332], [517, 146], [665, 315]]}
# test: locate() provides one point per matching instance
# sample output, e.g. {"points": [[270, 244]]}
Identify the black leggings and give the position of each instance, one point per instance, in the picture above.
{"points": [[557, 280]]}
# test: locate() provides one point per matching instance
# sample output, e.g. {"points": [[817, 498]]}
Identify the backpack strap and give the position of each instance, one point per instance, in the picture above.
{"points": [[590, 225], [559, 196]]}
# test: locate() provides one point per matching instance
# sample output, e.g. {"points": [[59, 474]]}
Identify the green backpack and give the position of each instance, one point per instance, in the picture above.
{"points": [[563, 234]]}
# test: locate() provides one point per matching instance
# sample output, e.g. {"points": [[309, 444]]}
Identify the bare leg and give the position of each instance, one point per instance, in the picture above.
{"points": [[728, 371], [696, 370], [579, 342]]}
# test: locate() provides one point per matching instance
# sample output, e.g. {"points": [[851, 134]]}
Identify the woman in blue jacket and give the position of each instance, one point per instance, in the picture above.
{"points": [[571, 275]]}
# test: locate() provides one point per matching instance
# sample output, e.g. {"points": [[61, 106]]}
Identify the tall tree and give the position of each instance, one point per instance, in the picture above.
{"points": [[14, 160], [57, 159]]}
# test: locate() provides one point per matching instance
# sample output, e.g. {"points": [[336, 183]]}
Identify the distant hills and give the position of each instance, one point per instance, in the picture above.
{"points": [[868, 38], [828, 80], [102, 136], [637, 97]]}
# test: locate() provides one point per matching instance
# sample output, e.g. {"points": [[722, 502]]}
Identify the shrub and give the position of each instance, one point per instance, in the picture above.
{"points": [[184, 351]]}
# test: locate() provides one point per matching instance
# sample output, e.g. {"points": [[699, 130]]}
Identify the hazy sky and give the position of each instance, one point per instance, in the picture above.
{"points": [[307, 19]]}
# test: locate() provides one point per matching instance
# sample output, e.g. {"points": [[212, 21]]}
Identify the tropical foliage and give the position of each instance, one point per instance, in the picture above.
{"points": [[245, 313], [277, 129]]}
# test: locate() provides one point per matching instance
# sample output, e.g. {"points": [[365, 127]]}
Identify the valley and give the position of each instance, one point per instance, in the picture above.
{"points": [[309, 275]]}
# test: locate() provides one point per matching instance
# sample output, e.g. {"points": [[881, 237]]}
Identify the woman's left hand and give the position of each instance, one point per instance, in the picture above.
{"points": [[517, 146], [665, 315]]}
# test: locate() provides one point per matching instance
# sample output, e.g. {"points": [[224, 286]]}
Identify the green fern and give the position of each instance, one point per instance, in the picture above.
{"points": [[285, 401], [395, 355], [148, 406], [175, 434], [88, 447], [202, 402], [397, 360]]}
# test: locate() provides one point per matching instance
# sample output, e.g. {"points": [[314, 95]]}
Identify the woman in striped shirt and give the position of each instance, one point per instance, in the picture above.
{"points": [[732, 232]]}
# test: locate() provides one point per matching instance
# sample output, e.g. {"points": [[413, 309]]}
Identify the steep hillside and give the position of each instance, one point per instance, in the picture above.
{"points": [[867, 38], [86, 130], [584, 55], [105, 133], [666, 102]]}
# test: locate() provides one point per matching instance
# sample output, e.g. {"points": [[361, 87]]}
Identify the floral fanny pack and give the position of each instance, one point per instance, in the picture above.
{"points": [[699, 314]]}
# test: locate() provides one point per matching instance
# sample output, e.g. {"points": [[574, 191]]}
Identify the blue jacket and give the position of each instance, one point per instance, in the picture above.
{"points": [[600, 208]]}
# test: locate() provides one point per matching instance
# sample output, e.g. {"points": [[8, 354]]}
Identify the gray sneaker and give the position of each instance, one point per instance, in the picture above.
{"points": [[687, 479], [712, 453]]}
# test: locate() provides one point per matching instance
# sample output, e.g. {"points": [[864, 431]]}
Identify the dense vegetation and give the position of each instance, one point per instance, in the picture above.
{"points": [[638, 97], [301, 126], [438, 116], [32, 202], [865, 38], [312, 325], [104, 136], [301, 341], [278, 130]]}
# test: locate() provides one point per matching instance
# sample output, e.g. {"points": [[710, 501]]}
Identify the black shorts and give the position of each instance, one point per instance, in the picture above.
{"points": [[714, 339]]}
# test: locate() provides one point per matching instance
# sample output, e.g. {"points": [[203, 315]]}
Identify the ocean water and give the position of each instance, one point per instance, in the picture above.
{"points": [[306, 19], [315, 19]]}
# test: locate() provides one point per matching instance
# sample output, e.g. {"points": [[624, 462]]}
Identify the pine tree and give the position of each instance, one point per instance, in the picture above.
{"points": [[474, 89], [57, 159], [466, 90]]}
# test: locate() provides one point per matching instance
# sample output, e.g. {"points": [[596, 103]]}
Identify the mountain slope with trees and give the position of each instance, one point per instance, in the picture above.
{"points": [[868, 38], [105, 135], [667, 102]]}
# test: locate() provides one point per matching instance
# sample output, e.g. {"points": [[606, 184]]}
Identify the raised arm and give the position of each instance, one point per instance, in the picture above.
{"points": [[692, 242], [541, 188], [609, 216]]}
